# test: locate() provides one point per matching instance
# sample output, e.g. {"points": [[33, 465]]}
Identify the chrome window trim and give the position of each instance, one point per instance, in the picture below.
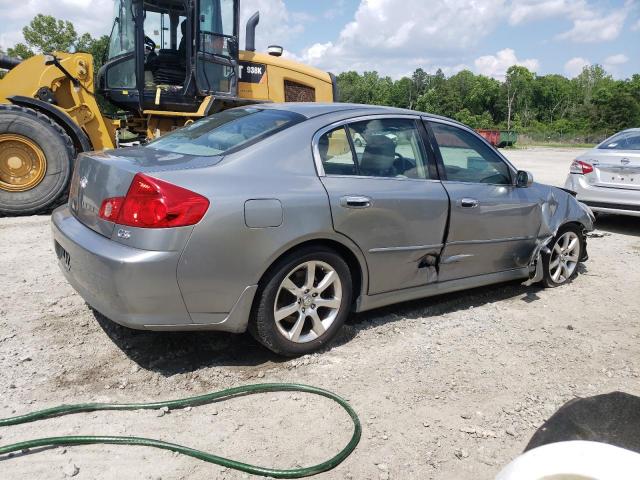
{"points": [[512, 168], [317, 159]]}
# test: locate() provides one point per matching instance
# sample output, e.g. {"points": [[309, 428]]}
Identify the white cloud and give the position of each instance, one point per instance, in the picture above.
{"points": [[613, 62], [574, 67], [528, 10], [636, 26], [591, 22], [618, 59], [597, 28], [496, 65], [392, 35]]}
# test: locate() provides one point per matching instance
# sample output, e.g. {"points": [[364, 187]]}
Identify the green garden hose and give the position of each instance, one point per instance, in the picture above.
{"points": [[183, 403]]}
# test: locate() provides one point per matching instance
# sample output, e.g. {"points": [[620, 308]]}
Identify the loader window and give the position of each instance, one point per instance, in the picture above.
{"points": [[122, 38], [216, 45], [122, 74], [227, 132]]}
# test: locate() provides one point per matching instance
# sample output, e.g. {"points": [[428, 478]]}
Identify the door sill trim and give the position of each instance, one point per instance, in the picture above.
{"points": [[369, 302]]}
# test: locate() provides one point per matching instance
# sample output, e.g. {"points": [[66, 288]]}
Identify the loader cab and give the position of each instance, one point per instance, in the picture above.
{"points": [[167, 55]]}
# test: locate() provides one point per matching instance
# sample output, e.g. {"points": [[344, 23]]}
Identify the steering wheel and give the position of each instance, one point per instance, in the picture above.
{"points": [[148, 42]]}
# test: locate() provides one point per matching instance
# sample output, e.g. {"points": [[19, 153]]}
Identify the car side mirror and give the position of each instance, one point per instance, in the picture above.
{"points": [[524, 179]]}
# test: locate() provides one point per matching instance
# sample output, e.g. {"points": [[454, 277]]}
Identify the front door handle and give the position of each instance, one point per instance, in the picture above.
{"points": [[468, 203], [355, 201]]}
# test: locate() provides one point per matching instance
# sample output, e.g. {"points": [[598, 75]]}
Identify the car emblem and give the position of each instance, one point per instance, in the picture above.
{"points": [[84, 181], [625, 161]]}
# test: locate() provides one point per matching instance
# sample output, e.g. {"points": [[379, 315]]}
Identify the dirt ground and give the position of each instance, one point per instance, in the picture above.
{"points": [[447, 388]]}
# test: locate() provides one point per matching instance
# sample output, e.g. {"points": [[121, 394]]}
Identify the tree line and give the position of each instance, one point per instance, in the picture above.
{"points": [[591, 105]]}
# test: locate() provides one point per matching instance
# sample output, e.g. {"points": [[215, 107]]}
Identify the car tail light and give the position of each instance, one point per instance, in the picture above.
{"points": [[580, 167], [153, 203]]}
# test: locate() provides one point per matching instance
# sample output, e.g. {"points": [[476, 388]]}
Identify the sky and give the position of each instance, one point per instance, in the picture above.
{"points": [[394, 37]]}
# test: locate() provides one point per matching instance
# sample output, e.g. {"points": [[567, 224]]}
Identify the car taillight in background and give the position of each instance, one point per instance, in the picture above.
{"points": [[153, 203], [580, 167]]}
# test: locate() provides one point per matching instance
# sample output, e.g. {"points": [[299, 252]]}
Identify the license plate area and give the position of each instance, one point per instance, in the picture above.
{"points": [[63, 256]]}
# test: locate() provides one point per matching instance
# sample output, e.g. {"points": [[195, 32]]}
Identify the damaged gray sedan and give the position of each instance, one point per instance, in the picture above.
{"points": [[282, 219]]}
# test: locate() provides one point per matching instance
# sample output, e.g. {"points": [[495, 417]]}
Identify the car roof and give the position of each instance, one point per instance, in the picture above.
{"points": [[311, 110]]}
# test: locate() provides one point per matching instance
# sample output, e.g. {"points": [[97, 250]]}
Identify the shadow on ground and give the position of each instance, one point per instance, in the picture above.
{"points": [[622, 224], [170, 353]]}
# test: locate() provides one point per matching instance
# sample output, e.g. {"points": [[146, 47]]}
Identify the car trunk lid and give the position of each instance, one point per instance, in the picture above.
{"points": [[98, 176], [619, 169]]}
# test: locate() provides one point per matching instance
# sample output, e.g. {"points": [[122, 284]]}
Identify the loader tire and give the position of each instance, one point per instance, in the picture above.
{"points": [[36, 159]]}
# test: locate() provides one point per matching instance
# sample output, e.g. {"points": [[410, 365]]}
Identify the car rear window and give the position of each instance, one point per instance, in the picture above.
{"points": [[227, 131], [622, 141]]}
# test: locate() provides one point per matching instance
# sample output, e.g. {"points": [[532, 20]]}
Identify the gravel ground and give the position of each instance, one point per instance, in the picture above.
{"points": [[447, 388]]}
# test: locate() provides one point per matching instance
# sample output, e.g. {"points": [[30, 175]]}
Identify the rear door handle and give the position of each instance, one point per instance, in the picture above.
{"points": [[468, 203], [355, 201]]}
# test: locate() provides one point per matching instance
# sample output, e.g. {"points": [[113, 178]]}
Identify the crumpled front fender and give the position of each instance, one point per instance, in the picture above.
{"points": [[558, 208]]}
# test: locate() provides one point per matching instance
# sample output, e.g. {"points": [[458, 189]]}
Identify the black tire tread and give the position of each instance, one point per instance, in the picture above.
{"points": [[71, 150], [261, 324]]}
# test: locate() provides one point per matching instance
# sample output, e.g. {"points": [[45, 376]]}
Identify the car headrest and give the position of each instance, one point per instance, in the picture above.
{"points": [[378, 156]]}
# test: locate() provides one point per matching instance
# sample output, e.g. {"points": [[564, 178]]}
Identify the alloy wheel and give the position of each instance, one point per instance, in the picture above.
{"points": [[564, 257], [308, 301]]}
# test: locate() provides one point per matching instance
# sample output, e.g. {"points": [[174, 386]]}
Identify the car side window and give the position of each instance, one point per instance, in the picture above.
{"points": [[466, 158], [388, 147], [336, 154]]}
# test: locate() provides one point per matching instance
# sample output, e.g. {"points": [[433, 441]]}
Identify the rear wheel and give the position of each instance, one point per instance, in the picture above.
{"points": [[36, 156], [561, 264], [304, 302]]}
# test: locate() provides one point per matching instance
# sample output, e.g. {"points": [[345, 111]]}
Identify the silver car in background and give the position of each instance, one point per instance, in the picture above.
{"points": [[282, 219], [607, 177]]}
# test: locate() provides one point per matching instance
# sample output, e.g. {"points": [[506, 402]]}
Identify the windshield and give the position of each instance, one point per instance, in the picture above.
{"points": [[226, 131], [622, 141], [123, 32]]}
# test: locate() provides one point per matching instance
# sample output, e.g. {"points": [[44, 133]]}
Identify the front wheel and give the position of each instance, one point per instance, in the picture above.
{"points": [[305, 300], [566, 250]]}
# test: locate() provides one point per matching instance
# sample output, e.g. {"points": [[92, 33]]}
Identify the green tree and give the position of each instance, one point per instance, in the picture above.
{"points": [[47, 34], [20, 50], [97, 47], [518, 87]]}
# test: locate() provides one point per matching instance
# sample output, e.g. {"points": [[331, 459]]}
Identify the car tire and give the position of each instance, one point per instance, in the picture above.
{"points": [[38, 135], [287, 316], [565, 253]]}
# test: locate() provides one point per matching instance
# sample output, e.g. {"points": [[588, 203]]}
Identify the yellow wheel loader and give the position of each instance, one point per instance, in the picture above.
{"points": [[169, 63]]}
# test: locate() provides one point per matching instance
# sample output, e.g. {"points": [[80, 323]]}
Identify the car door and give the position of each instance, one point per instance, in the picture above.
{"points": [[493, 223], [378, 177]]}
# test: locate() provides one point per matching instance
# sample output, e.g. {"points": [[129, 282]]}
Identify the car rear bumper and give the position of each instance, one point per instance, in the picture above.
{"points": [[132, 287], [135, 288], [605, 199]]}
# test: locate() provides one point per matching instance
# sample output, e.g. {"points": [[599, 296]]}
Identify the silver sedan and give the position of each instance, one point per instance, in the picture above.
{"points": [[283, 219], [607, 178]]}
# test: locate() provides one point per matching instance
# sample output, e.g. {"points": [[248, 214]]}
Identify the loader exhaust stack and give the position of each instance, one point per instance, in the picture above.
{"points": [[250, 36]]}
